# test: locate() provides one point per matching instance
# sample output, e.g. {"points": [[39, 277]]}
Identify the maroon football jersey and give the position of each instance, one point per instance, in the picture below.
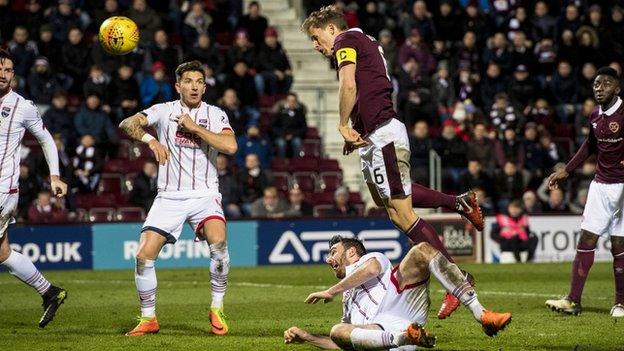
{"points": [[607, 142], [373, 104]]}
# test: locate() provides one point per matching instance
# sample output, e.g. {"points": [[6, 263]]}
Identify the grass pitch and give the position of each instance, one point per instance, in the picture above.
{"points": [[262, 302]]}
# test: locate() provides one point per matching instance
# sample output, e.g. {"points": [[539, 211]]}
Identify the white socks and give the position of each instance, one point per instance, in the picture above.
{"points": [[370, 339], [451, 277], [219, 269], [21, 267], [145, 279]]}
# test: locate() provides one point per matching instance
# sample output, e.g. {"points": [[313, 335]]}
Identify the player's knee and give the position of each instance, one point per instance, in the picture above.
{"points": [[141, 263], [5, 253], [422, 252], [340, 334], [220, 257], [617, 245], [587, 240]]}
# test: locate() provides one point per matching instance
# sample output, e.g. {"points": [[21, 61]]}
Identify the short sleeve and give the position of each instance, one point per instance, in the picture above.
{"points": [[219, 120], [154, 114], [345, 50], [381, 258]]}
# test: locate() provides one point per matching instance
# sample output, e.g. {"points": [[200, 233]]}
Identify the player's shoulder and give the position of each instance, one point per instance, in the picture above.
{"points": [[349, 37], [383, 260]]}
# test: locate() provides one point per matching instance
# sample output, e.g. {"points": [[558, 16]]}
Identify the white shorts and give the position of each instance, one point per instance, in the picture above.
{"points": [[385, 161], [400, 308], [167, 216], [8, 204], [603, 213]]}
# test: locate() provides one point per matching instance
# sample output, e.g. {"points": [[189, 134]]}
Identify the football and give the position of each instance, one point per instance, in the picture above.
{"points": [[119, 35]]}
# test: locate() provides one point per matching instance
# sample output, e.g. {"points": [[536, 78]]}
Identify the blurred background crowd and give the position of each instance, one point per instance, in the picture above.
{"points": [[500, 89]]}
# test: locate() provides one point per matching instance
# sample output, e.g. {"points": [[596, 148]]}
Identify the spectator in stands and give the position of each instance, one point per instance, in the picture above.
{"points": [[289, 126], [371, 21], [581, 122], [88, 164], [510, 149], [197, 22], [146, 19], [29, 187], [414, 99], [208, 53], [62, 19], [33, 17], [520, 51], [476, 22], [485, 201], [239, 120], [512, 232], [481, 148], [241, 50], [509, 184], [521, 89], [24, 51], [58, 119], [546, 58], [254, 23], [298, 207], [341, 205], [416, 48], [124, 92], [497, 52], [251, 182], [155, 89], [567, 48], [467, 55], [242, 82], [274, 72], [270, 205], [98, 84], [75, 58], [542, 22], [253, 143], [452, 151], [66, 170], [390, 50], [228, 187], [145, 186], [420, 146], [504, 116], [47, 209], [475, 177], [162, 51], [110, 9], [91, 120], [492, 84], [589, 47], [556, 202], [50, 48], [577, 206], [564, 91], [617, 30], [419, 19], [448, 23], [530, 203], [533, 154], [542, 114], [214, 88], [585, 82], [552, 152], [443, 91], [570, 19], [42, 83]]}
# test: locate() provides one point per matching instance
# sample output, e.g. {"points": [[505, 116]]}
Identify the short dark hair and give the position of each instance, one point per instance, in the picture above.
{"points": [[608, 71], [6, 55], [349, 243], [324, 16], [191, 66]]}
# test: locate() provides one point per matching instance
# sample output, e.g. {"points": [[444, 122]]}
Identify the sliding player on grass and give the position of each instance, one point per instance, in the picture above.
{"points": [[385, 307]]}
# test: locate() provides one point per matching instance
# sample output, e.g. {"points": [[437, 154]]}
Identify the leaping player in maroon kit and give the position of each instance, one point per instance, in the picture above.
{"points": [[603, 215], [381, 139]]}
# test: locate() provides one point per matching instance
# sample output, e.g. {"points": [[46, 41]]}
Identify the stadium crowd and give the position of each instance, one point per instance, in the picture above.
{"points": [[500, 89]]}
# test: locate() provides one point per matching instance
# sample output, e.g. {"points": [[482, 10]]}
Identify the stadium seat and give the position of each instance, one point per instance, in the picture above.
{"points": [[304, 164], [329, 164], [140, 150], [306, 181], [312, 133], [321, 210], [330, 181], [130, 214], [110, 183], [323, 198], [280, 164], [101, 214], [123, 150], [377, 212], [82, 215], [116, 166], [355, 197], [282, 181], [135, 166], [311, 148], [88, 201]]}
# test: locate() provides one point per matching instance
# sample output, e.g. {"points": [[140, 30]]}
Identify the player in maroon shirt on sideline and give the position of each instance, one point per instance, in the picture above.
{"points": [[603, 215], [365, 98]]}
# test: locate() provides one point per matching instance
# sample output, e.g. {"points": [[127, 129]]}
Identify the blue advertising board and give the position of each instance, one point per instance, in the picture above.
{"points": [[54, 246], [115, 246]]}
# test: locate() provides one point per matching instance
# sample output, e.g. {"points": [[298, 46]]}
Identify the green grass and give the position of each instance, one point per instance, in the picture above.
{"points": [[101, 307]]}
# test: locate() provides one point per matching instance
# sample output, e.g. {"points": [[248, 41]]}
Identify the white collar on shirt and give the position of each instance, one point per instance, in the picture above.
{"points": [[613, 108], [355, 29]]}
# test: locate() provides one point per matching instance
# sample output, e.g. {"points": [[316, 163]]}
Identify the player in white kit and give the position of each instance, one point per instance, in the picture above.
{"points": [[191, 133], [385, 307], [16, 115]]}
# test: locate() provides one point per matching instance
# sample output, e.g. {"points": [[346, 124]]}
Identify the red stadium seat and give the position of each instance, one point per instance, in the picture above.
{"points": [[330, 181], [110, 183], [312, 133], [306, 181], [123, 151], [377, 212], [311, 147], [140, 150], [355, 197], [323, 198], [329, 164], [280, 164], [304, 164], [92, 200], [130, 214], [321, 210], [116, 166], [281, 181], [101, 214]]}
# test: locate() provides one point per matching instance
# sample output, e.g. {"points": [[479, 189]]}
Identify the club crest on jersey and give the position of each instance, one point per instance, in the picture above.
{"points": [[203, 123], [6, 111], [614, 127]]}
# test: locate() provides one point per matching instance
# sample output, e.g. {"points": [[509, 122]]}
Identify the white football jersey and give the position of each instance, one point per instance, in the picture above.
{"points": [[361, 303], [16, 115], [190, 170]]}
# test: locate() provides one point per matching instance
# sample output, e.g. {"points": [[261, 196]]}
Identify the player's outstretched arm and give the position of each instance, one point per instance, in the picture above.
{"points": [[133, 126], [224, 142], [295, 335], [361, 275]]}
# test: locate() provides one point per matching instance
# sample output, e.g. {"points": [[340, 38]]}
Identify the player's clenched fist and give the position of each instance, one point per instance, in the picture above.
{"points": [[295, 335], [185, 121], [59, 188], [160, 151]]}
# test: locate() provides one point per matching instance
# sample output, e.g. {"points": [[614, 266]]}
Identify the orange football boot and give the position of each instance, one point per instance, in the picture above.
{"points": [[493, 322], [468, 206], [147, 325], [417, 335], [217, 321]]}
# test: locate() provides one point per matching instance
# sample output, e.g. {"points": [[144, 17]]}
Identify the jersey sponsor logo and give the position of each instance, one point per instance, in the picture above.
{"points": [[346, 55], [187, 139], [614, 127], [6, 111]]}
